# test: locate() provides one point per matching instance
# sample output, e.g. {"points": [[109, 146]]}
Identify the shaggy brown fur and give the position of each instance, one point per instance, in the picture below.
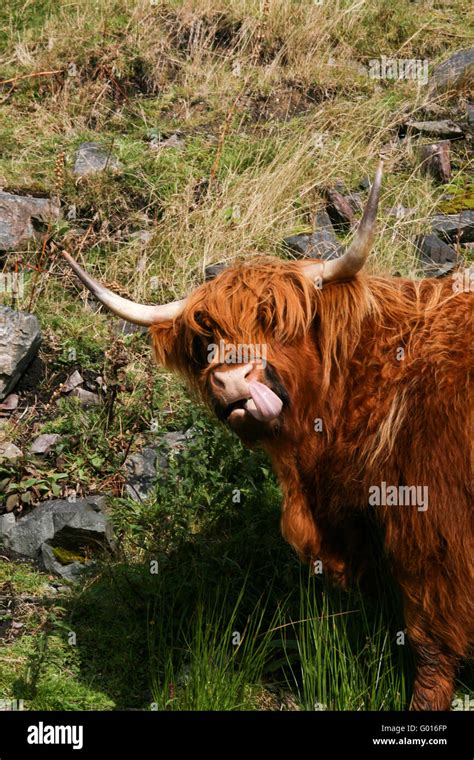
{"points": [[384, 364]]}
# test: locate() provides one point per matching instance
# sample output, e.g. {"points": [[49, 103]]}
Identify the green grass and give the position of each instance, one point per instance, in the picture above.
{"points": [[156, 628], [346, 658]]}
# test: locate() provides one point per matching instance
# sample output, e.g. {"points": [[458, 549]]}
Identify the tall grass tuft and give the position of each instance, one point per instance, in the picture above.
{"points": [[221, 660], [341, 653]]}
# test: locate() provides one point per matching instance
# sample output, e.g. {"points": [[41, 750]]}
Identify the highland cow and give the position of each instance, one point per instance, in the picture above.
{"points": [[363, 405]]}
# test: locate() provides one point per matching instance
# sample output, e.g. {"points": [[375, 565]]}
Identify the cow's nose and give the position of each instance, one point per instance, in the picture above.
{"points": [[232, 384]]}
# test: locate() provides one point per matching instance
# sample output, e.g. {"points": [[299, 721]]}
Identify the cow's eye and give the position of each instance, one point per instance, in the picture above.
{"points": [[200, 350], [203, 321]]}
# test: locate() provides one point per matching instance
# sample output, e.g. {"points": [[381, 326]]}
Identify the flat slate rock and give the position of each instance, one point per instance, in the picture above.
{"points": [[92, 158], [86, 398], [141, 468], [71, 524], [339, 210], [452, 227], [322, 243], [20, 338], [437, 257], [445, 129], [70, 571], [44, 443], [435, 160], [316, 245], [453, 73], [212, 270], [17, 214], [74, 379], [9, 450]]}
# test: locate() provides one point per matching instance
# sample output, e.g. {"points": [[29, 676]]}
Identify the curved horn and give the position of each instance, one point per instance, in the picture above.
{"points": [[356, 255], [139, 314]]}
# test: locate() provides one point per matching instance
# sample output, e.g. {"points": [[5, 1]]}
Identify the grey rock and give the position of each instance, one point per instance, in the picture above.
{"points": [[323, 246], [470, 114], [322, 221], [453, 73], [72, 571], [10, 403], [7, 524], [322, 243], [176, 439], [9, 451], [140, 469], [72, 525], [173, 141], [444, 128], [356, 201], [437, 257], [365, 183], [339, 209], [92, 158], [87, 398], [72, 382], [435, 160], [20, 339], [454, 227], [340, 187], [317, 245], [71, 213], [44, 443], [297, 243], [213, 270], [17, 215]]}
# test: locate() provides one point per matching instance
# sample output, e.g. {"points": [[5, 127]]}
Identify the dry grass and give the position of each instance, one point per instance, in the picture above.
{"points": [[274, 104]]}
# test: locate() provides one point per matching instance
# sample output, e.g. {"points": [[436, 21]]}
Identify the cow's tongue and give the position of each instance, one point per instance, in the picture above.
{"points": [[267, 404]]}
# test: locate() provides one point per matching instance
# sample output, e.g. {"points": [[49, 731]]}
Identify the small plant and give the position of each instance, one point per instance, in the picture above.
{"points": [[31, 490]]}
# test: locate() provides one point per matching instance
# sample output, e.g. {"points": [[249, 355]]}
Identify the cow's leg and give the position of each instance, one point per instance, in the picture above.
{"points": [[313, 541], [297, 523], [299, 528], [435, 663], [313, 538], [434, 681], [345, 552]]}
